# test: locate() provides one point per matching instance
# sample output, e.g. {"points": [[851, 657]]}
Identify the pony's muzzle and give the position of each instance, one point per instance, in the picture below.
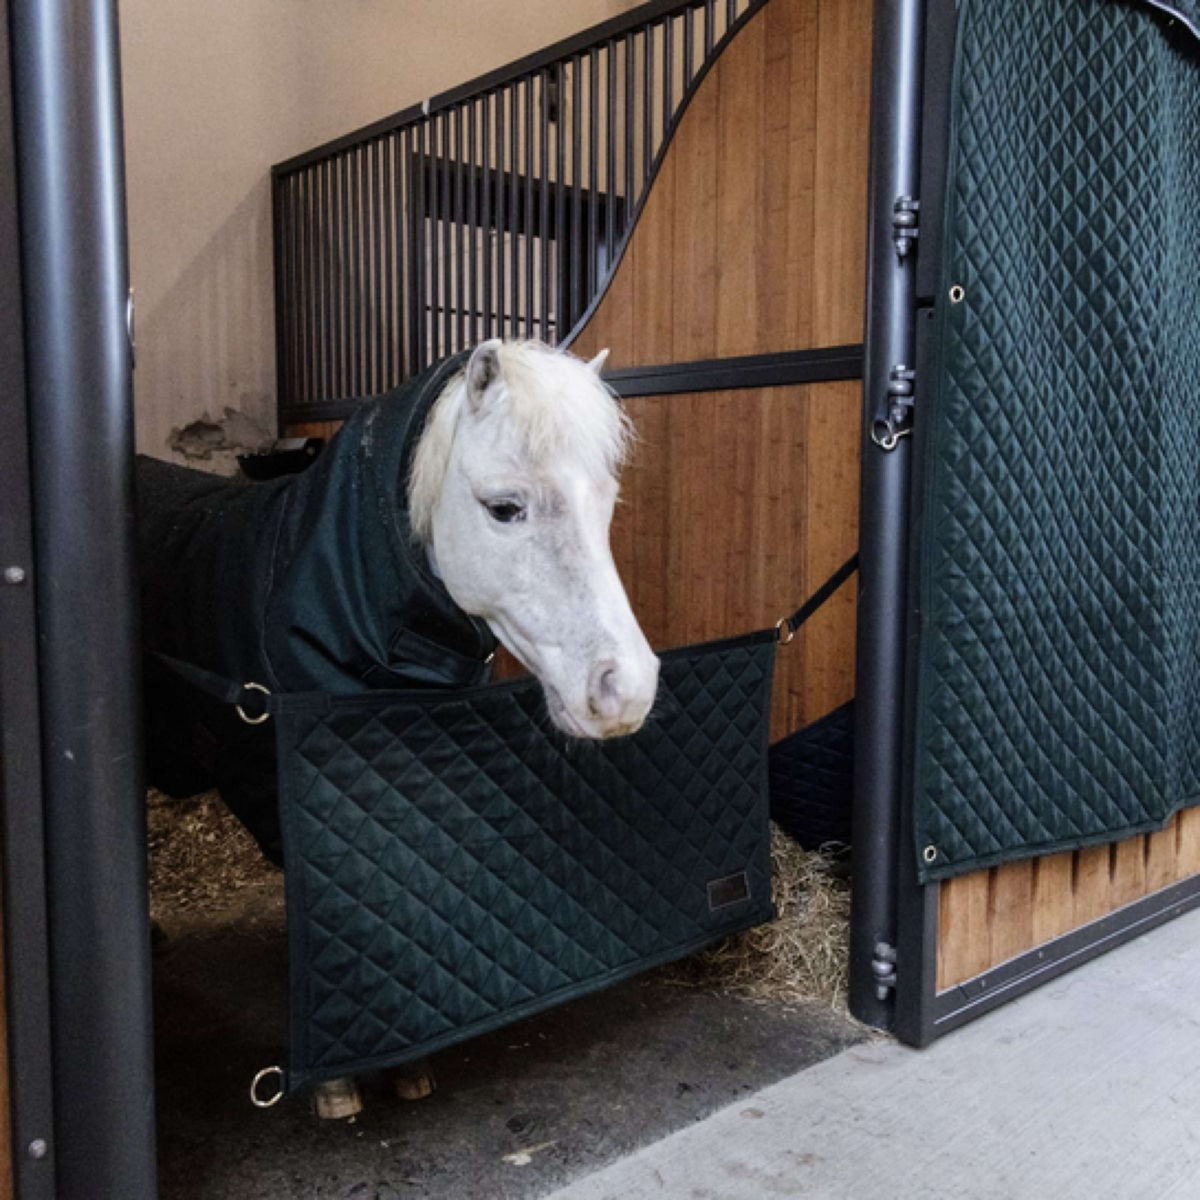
{"points": [[620, 694]]}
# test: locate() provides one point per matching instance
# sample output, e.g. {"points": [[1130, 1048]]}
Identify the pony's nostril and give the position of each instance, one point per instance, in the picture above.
{"points": [[604, 691]]}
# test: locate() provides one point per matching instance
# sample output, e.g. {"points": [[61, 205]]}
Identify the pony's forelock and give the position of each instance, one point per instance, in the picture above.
{"points": [[559, 405]]}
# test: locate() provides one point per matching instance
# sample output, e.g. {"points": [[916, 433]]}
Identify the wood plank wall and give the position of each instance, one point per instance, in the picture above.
{"points": [[988, 917], [753, 236]]}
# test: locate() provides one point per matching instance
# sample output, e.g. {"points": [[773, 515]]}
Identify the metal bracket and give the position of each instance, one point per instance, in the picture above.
{"points": [[887, 430], [905, 227], [883, 968]]}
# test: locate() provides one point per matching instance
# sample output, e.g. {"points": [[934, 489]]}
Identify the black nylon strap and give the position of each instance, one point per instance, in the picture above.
{"points": [[822, 593], [253, 702]]}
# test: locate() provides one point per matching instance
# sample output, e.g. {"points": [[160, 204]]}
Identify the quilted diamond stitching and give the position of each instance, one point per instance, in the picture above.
{"points": [[451, 858], [1061, 618]]}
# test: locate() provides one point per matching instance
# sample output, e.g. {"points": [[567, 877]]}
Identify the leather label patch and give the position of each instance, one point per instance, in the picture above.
{"points": [[728, 890]]}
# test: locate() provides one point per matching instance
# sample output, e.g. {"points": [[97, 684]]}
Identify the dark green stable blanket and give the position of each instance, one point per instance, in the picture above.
{"points": [[1059, 679], [454, 864]]}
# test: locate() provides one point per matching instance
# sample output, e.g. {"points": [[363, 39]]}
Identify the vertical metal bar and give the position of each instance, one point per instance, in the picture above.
{"points": [[66, 99], [543, 241], [391, 193], [305, 304], [328, 233], [560, 204], [460, 301], [358, 292], [341, 388], [689, 46], [610, 161], [648, 106], [485, 219], [593, 208], [630, 125], [376, 162], [710, 19], [527, 220], [473, 227], [415, 166], [501, 223], [730, 14], [279, 265], [883, 538], [668, 107], [574, 265], [514, 240], [433, 251]]}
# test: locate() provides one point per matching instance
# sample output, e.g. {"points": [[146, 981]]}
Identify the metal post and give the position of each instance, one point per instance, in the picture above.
{"points": [[72, 208], [895, 125]]}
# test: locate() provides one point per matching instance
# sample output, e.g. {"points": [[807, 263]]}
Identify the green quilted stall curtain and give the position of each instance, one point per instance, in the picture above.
{"points": [[1059, 679]]}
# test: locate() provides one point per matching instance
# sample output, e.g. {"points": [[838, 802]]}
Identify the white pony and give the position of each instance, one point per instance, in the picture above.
{"points": [[511, 493]]}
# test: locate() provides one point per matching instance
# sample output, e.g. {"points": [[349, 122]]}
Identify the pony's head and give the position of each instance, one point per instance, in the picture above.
{"points": [[512, 492]]}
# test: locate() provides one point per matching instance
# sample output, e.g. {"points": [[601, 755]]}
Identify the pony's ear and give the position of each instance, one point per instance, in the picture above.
{"points": [[483, 369], [596, 365]]}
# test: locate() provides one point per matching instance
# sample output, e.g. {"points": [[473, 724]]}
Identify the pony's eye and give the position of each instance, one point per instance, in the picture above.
{"points": [[505, 511]]}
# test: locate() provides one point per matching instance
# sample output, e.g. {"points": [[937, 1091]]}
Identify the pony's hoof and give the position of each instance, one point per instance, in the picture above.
{"points": [[415, 1081], [337, 1099]]}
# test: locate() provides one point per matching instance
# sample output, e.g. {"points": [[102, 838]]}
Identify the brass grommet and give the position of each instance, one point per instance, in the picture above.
{"points": [[957, 293]]}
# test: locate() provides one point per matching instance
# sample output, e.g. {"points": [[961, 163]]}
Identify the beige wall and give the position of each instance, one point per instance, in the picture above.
{"points": [[215, 91]]}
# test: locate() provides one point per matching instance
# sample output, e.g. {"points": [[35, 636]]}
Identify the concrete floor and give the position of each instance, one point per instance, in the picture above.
{"points": [[518, 1113], [1088, 1089]]}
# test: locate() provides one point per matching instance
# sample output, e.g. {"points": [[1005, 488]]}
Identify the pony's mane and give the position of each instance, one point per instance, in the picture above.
{"points": [[559, 405]]}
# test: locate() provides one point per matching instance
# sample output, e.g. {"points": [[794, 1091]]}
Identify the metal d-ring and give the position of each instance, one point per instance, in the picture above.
{"points": [[241, 712], [267, 1101], [780, 625]]}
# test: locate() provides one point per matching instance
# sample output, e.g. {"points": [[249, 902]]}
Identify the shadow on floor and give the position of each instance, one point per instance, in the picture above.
{"points": [[517, 1113]]}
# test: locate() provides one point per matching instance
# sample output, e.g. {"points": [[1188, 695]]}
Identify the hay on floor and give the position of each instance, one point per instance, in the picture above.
{"points": [[803, 955]]}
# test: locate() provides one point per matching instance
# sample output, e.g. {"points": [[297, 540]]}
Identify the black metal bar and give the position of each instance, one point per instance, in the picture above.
{"points": [[391, 216], [415, 165], [781, 369], [748, 371], [689, 46], [325, 259], [304, 298], [730, 14], [485, 220], [445, 214], [342, 255], [561, 298], [668, 105], [576, 252], [375, 243], [460, 290], [66, 87], [544, 240], [610, 156], [279, 264], [22, 827], [895, 115], [430, 247], [630, 122], [593, 183], [473, 229], [527, 223], [514, 246], [648, 107], [710, 19], [501, 224], [358, 292]]}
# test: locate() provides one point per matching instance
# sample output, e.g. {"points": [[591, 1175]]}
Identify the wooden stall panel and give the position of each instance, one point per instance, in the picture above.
{"points": [[737, 505], [753, 238], [989, 917]]}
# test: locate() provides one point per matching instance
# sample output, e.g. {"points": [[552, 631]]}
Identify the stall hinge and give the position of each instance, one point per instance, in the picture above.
{"points": [[883, 967], [905, 227], [896, 422]]}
